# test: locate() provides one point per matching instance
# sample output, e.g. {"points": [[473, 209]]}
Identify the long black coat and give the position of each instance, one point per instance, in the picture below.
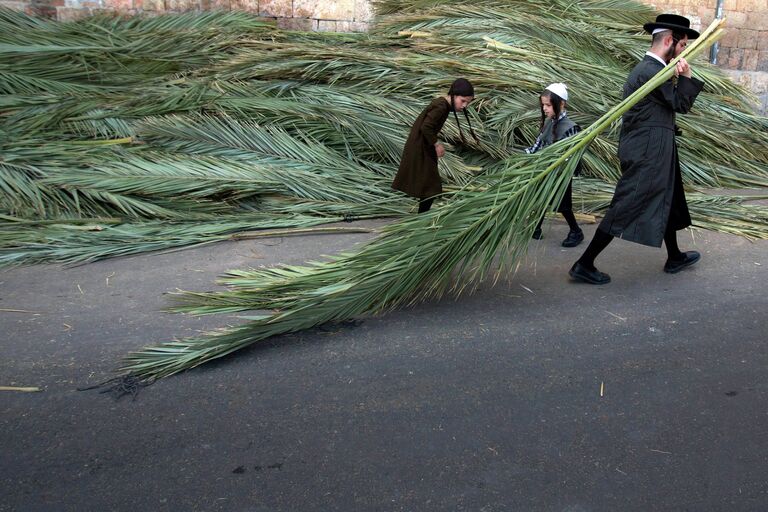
{"points": [[417, 175], [650, 195]]}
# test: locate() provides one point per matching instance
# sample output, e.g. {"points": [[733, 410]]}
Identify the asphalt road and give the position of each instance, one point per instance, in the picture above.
{"points": [[488, 402]]}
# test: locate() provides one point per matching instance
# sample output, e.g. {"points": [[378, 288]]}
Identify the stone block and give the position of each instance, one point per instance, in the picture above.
{"points": [[695, 22], [336, 10], [71, 13], [219, 5], [730, 39], [672, 9], [16, 6], [300, 24], [757, 20], [324, 9], [706, 14], [749, 60], [747, 39], [762, 40], [735, 20], [182, 5], [153, 5], [326, 26], [734, 58], [364, 11], [118, 5], [304, 8], [43, 11], [722, 56], [762, 61], [244, 5], [104, 12], [277, 8]]}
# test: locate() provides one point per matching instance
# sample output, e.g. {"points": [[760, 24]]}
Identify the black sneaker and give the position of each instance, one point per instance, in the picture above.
{"points": [[573, 239], [675, 266]]}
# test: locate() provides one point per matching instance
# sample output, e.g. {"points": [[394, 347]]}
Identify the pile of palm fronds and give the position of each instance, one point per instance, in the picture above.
{"points": [[123, 135], [413, 259]]}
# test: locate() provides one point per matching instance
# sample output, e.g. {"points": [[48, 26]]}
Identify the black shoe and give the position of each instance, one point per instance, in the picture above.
{"points": [[581, 273], [573, 239], [674, 266], [537, 234]]}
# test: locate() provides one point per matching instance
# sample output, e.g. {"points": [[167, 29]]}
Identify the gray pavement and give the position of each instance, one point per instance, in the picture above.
{"points": [[486, 403]]}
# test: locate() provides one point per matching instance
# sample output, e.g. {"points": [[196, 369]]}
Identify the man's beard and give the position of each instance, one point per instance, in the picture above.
{"points": [[670, 53]]}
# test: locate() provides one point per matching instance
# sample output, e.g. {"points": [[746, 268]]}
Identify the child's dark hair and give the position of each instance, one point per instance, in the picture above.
{"points": [[557, 107], [462, 87]]}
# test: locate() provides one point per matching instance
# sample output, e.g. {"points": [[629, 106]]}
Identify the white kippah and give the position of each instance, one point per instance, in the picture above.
{"points": [[560, 89], [657, 30]]}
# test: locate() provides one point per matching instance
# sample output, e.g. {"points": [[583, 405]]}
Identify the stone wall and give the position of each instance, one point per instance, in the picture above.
{"points": [[745, 44], [743, 51], [744, 48], [307, 15]]}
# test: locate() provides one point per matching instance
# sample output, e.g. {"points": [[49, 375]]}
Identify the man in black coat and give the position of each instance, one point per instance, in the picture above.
{"points": [[649, 204]]}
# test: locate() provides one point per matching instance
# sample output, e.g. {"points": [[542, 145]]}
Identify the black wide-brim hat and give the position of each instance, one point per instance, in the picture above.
{"points": [[672, 22]]}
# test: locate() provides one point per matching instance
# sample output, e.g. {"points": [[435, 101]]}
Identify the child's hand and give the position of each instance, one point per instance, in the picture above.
{"points": [[440, 150]]}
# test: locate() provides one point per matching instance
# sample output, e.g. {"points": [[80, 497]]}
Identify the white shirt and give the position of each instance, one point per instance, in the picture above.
{"points": [[651, 54]]}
